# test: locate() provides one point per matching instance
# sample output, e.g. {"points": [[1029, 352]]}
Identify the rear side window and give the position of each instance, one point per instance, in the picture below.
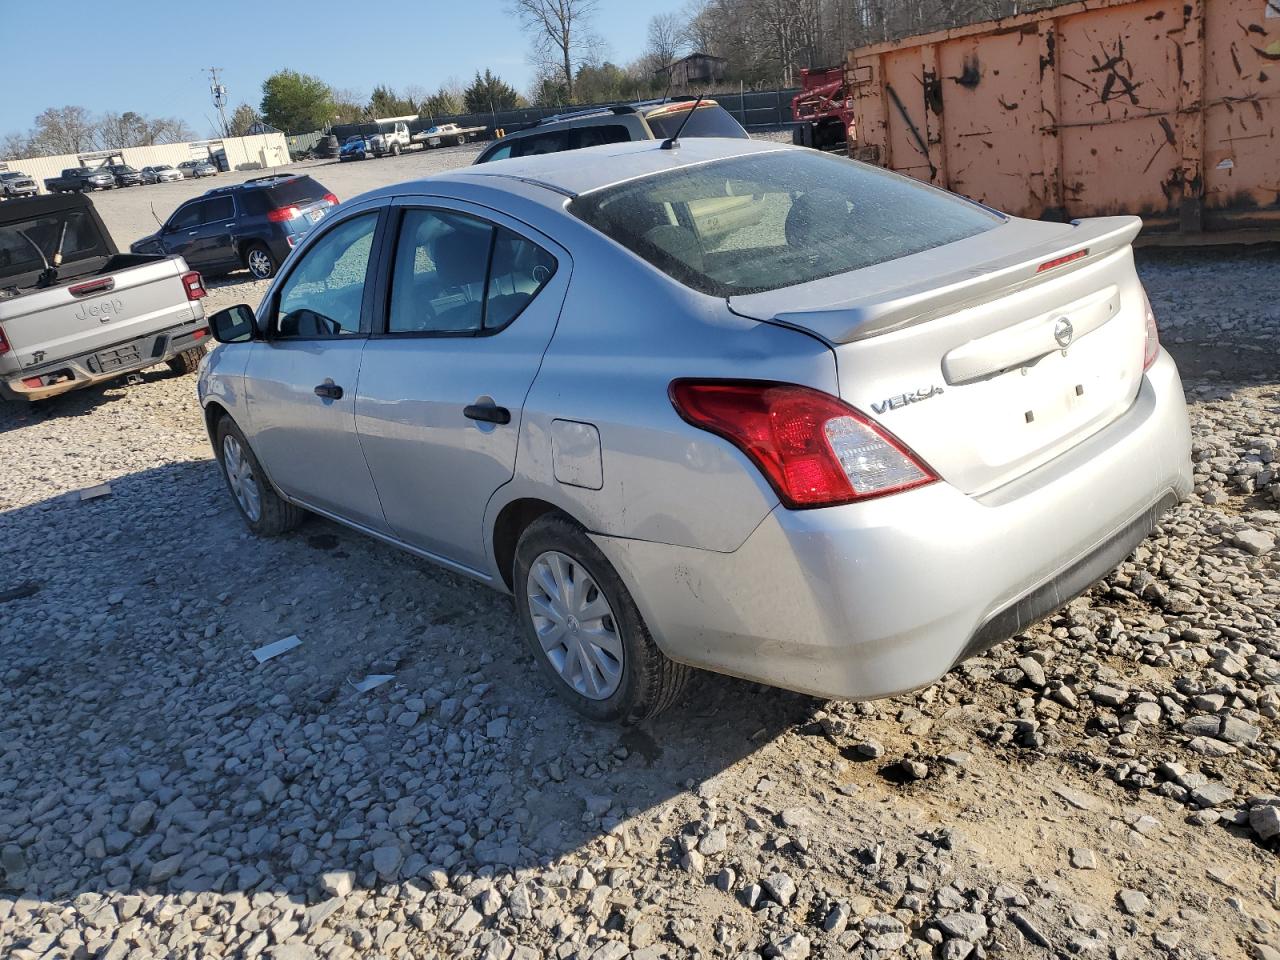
{"points": [[595, 136], [460, 275], [553, 141], [712, 121], [218, 208], [765, 221]]}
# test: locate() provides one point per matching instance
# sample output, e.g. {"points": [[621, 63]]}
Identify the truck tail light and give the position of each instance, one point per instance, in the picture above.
{"points": [[1151, 346], [814, 449], [281, 214], [331, 199], [193, 283], [4, 344]]}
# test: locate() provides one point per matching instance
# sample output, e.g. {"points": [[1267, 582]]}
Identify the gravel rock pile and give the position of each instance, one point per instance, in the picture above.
{"points": [[1105, 785]]}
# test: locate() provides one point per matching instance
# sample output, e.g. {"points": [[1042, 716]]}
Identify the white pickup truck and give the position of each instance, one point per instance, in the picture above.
{"points": [[75, 311], [391, 140]]}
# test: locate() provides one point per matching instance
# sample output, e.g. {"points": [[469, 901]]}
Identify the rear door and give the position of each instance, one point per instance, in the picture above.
{"points": [[473, 300], [301, 380]]}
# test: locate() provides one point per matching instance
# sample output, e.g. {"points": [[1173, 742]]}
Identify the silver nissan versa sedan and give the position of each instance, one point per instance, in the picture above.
{"points": [[736, 406]]}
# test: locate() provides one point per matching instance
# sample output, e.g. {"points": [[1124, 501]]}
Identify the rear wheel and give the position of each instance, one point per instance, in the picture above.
{"points": [[266, 513], [584, 629], [461, 140], [395, 149], [188, 361], [260, 262]]}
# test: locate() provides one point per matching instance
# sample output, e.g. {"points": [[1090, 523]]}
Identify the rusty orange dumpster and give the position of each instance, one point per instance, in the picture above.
{"points": [[1169, 109]]}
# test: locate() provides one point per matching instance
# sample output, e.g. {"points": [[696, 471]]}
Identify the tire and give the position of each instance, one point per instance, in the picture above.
{"points": [[395, 149], [461, 141], [274, 515], [188, 361], [644, 681], [260, 261]]}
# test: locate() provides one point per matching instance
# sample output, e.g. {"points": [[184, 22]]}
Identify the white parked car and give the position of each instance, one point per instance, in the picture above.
{"points": [[160, 173]]}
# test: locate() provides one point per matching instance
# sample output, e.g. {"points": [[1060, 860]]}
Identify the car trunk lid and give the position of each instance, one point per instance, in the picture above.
{"points": [[988, 356]]}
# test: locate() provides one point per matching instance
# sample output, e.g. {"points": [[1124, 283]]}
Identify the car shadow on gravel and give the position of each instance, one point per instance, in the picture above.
{"points": [[17, 414], [144, 749]]}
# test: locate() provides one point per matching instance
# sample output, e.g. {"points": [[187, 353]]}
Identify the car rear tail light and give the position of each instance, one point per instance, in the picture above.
{"points": [[332, 198], [814, 449], [1151, 345], [1061, 261], [194, 285], [200, 334], [280, 214]]}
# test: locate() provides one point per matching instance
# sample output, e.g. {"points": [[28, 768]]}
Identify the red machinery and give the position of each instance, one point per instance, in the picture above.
{"points": [[823, 109]]}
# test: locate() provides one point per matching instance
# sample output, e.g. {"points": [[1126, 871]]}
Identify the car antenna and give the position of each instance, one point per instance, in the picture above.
{"points": [[153, 214], [674, 141]]}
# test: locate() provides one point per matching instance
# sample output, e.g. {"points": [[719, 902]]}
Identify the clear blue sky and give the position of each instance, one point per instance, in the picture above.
{"points": [[147, 55]]}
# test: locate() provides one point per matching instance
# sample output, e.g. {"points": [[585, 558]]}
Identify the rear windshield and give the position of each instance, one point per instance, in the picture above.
{"points": [[27, 246], [765, 221], [298, 190], [712, 121]]}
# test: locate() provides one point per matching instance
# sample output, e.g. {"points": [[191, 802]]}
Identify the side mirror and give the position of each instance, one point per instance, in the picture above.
{"points": [[234, 325]]}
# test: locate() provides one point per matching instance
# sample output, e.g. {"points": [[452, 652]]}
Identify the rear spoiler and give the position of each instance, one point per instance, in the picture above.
{"points": [[922, 300]]}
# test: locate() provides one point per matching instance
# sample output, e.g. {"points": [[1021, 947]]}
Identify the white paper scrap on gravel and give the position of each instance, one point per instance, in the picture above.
{"points": [[263, 654], [371, 681], [93, 493]]}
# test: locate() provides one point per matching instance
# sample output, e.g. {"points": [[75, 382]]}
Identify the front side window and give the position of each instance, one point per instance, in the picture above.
{"points": [[456, 274], [323, 295], [187, 217], [770, 220]]}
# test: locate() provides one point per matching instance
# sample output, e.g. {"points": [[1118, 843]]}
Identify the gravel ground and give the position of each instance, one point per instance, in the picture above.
{"points": [[1104, 785]]}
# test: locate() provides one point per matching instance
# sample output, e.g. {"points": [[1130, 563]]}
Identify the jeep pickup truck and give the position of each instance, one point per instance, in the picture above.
{"points": [[81, 180], [75, 311]]}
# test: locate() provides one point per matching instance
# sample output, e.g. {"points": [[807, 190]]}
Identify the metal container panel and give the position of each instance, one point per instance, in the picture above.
{"points": [[1160, 108]]}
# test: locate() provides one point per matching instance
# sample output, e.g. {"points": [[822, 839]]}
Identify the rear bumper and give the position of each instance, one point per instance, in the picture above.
{"points": [[106, 363], [874, 599]]}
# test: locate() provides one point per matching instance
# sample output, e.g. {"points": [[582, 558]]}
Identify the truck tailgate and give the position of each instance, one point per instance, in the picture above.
{"points": [[44, 326]]}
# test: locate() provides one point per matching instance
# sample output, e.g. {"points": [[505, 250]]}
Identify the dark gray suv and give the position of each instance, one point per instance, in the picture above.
{"points": [[644, 120]]}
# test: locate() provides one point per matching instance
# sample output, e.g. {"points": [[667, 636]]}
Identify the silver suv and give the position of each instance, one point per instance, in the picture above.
{"points": [[738, 406], [643, 120]]}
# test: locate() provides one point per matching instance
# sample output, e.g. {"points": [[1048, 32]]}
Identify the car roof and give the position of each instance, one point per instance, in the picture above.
{"points": [[575, 172]]}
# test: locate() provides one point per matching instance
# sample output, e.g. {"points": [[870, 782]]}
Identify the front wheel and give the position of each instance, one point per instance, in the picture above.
{"points": [[395, 149], [584, 629], [260, 262], [264, 510]]}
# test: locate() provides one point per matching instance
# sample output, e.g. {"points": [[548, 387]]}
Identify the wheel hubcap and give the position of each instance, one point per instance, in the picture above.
{"points": [[259, 263], [575, 625], [244, 485]]}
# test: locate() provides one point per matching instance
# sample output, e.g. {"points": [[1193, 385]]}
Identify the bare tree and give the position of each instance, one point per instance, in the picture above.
{"points": [[666, 38], [68, 129], [560, 33], [15, 145]]}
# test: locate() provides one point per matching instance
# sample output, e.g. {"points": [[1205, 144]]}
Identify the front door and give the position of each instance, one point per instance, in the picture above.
{"points": [[474, 299], [301, 380], [210, 246]]}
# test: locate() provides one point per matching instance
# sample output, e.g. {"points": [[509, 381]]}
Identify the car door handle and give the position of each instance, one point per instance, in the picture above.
{"points": [[329, 391], [487, 413]]}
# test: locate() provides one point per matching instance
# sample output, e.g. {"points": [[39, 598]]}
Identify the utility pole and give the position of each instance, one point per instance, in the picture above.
{"points": [[219, 92]]}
